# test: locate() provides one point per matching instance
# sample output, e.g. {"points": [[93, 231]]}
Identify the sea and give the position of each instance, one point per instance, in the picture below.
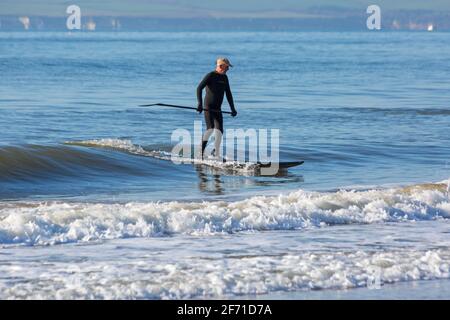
{"points": [[88, 211]]}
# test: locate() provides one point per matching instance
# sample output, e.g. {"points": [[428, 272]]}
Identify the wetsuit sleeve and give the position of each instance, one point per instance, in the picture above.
{"points": [[229, 96], [200, 88]]}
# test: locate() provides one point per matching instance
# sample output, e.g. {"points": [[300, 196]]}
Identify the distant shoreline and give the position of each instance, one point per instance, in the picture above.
{"points": [[353, 22]]}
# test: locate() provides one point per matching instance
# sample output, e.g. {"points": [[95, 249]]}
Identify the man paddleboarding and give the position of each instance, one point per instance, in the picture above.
{"points": [[217, 85]]}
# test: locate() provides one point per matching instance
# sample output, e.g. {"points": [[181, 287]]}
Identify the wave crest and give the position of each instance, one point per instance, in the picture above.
{"points": [[42, 223]]}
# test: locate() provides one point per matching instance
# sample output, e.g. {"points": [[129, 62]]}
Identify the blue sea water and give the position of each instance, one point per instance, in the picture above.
{"points": [[368, 113]]}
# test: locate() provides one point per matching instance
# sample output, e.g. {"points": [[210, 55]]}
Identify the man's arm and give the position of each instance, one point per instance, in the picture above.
{"points": [[230, 99], [200, 88]]}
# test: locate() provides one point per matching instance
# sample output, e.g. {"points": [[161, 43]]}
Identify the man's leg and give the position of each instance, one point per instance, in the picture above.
{"points": [[218, 125], [205, 140], [207, 134]]}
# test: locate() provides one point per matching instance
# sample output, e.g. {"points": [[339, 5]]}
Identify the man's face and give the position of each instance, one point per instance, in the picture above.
{"points": [[222, 68]]}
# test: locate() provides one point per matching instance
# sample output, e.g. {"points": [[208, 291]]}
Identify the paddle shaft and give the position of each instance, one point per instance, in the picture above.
{"points": [[180, 107]]}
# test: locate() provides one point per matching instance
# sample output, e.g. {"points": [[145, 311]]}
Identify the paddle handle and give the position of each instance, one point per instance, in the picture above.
{"points": [[180, 107]]}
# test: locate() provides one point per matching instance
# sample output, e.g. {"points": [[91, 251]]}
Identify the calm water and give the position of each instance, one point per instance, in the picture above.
{"points": [[366, 111]]}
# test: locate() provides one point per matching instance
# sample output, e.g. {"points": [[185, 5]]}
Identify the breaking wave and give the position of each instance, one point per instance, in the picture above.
{"points": [[47, 223]]}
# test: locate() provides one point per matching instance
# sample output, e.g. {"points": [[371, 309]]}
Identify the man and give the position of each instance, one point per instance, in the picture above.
{"points": [[216, 83]]}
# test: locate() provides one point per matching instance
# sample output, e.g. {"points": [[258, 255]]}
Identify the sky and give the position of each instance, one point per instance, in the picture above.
{"points": [[212, 8]]}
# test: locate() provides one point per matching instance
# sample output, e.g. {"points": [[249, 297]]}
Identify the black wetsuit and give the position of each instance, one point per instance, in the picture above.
{"points": [[216, 86]]}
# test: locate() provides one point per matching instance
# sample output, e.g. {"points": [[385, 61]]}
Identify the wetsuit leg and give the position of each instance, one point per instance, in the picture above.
{"points": [[218, 125], [218, 122], [213, 120], [209, 125]]}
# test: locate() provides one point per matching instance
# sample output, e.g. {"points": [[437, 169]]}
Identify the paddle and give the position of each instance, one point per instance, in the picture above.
{"points": [[179, 107]]}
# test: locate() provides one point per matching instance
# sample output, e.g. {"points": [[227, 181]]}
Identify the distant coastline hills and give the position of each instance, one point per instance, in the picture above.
{"points": [[311, 20]]}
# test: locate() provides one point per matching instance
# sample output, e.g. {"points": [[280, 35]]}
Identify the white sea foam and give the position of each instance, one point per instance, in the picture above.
{"points": [[245, 168], [118, 144], [42, 223], [144, 278]]}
